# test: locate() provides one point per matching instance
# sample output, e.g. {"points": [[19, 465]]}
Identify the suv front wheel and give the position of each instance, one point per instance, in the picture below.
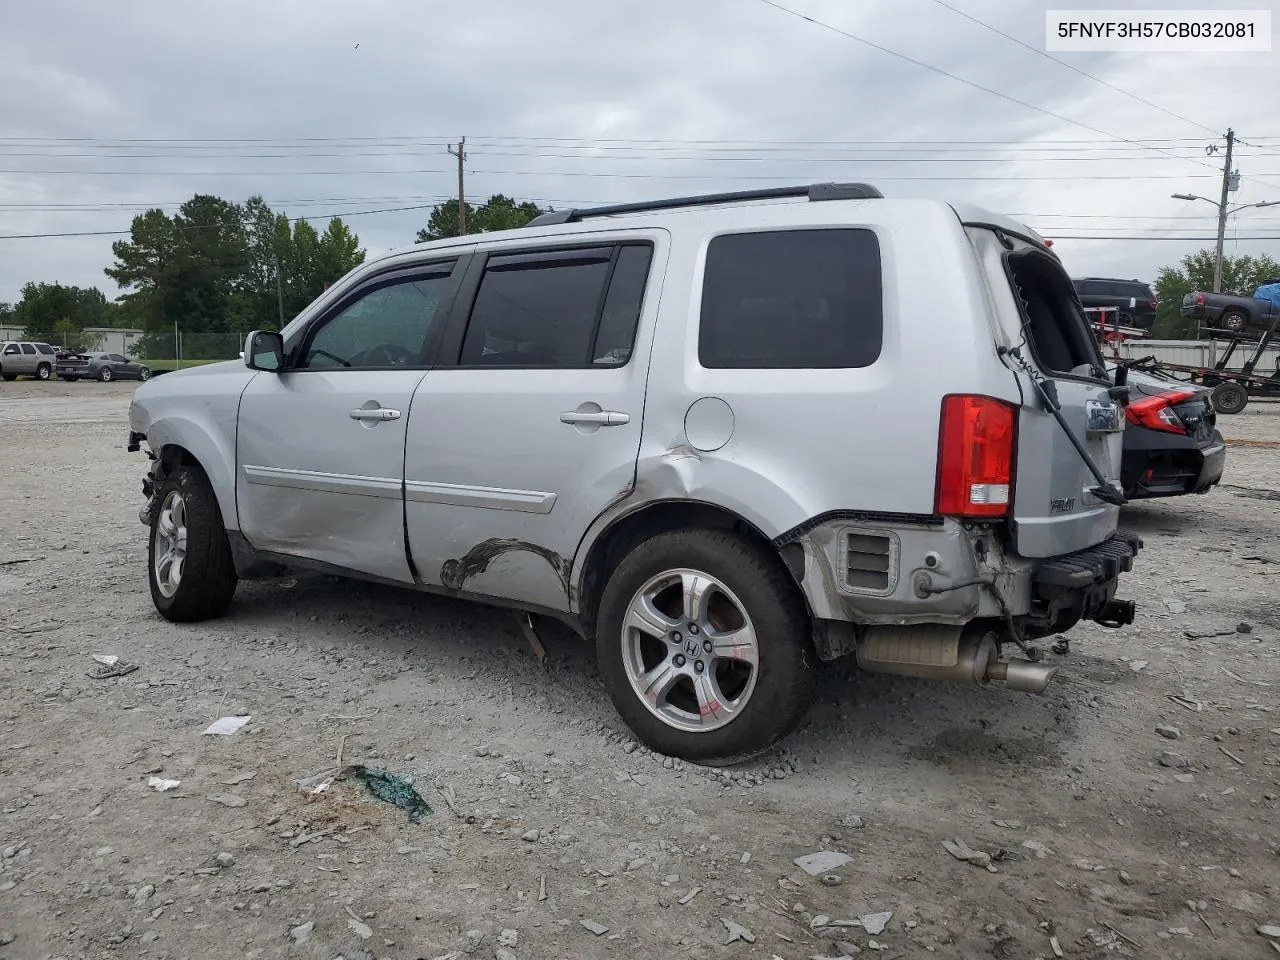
{"points": [[703, 642], [189, 564]]}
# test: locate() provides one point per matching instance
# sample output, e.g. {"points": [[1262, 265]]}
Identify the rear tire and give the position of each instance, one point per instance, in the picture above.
{"points": [[105, 375], [44, 372], [189, 566], [1234, 320], [1229, 398], [713, 716]]}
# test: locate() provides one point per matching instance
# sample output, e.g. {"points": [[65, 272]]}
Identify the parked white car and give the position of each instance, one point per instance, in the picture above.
{"points": [[728, 437]]}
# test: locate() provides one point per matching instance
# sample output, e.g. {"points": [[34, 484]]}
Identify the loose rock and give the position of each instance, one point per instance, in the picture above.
{"points": [[6, 938], [824, 861], [599, 929], [1174, 760], [1269, 930], [832, 879], [502, 953], [530, 836], [1169, 733], [737, 932], [509, 938], [225, 860], [302, 932]]}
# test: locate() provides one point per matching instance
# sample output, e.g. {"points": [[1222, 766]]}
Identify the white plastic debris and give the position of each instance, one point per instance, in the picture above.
{"points": [[824, 861], [160, 785], [225, 726], [107, 660], [874, 923]]}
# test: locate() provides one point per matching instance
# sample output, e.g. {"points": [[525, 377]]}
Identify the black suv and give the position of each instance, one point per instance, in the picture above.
{"points": [[1133, 299]]}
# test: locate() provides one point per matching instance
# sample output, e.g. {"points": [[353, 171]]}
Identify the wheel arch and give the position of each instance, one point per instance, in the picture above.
{"points": [[185, 442], [601, 553]]}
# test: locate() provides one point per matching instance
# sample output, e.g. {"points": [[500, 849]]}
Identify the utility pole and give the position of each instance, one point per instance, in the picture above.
{"points": [[279, 290], [461, 154], [1222, 213]]}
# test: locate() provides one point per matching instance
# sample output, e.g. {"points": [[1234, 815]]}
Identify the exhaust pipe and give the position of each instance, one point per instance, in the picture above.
{"points": [[943, 653]]}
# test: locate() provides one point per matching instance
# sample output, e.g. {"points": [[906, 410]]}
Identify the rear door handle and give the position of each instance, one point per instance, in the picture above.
{"points": [[377, 413], [602, 418]]}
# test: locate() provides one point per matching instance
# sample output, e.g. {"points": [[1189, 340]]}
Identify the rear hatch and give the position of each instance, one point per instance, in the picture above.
{"points": [[1060, 505]]}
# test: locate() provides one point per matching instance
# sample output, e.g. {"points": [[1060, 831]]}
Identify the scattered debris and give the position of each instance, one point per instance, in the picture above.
{"points": [[509, 938], [1137, 666], [1231, 755], [688, 897], [1038, 848], [852, 822], [1168, 732], [1128, 940], [1192, 635], [394, 789], [160, 785], [110, 666], [17, 560], [225, 860], [818, 922], [1009, 824], [875, 945], [225, 726], [832, 879], [302, 933], [239, 779], [1174, 760], [530, 836], [228, 800], [745, 859], [599, 929], [525, 620], [962, 851], [358, 926], [1269, 930], [6, 938], [1055, 947], [363, 716], [502, 953], [542, 887], [1176, 606], [450, 798], [737, 932], [824, 861], [874, 923], [1186, 702]]}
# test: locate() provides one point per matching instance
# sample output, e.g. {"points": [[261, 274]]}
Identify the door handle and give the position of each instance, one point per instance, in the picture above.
{"points": [[601, 418], [377, 413]]}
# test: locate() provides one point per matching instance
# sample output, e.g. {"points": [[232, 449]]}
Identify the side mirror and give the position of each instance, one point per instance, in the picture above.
{"points": [[264, 350]]}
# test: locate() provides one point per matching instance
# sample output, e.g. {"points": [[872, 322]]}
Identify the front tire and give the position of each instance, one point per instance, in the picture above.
{"points": [[144, 374], [703, 643], [189, 565]]}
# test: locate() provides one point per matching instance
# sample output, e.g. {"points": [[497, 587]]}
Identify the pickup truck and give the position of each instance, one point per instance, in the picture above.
{"points": [[1229, 311]]}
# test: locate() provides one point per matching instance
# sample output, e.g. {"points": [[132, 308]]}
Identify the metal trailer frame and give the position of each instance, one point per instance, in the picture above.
{"points": [[1231, 388]]}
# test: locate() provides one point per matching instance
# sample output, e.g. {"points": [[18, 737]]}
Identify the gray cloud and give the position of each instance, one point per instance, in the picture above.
{"points": [[628, 69]]}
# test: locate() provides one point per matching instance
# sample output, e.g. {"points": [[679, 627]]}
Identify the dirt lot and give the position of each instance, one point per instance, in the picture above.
{"points": [[560, 819]]}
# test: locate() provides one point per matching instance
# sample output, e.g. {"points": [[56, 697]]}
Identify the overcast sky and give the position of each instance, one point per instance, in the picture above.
{"points": [[549, 93]]}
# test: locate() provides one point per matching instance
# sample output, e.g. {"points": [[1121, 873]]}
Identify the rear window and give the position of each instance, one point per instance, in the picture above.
{"points": [[1057, 332], [44, 348], [793, 299]]}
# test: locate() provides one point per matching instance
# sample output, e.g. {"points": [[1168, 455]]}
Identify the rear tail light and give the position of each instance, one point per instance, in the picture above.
{"points": [[1200, 299], [1157, 413], [975, 457], [1153, 304]]}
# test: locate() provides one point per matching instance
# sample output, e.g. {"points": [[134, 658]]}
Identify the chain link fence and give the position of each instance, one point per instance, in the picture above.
{"points": [[182, 348]]}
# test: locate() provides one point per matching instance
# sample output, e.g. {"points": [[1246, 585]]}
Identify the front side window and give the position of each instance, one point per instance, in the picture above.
{"points": [[794, 299], [387, 327], [11, 349], [568, 309]]}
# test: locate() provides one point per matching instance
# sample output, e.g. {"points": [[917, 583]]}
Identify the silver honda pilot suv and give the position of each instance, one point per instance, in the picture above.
{"points": [[728, 437]]}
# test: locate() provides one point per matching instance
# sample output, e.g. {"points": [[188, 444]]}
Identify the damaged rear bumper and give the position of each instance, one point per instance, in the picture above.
{"points": [[941, 572]]}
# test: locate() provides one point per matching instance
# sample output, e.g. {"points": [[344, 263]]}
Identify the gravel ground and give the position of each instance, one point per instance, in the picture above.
{"points": [[567, 840]]}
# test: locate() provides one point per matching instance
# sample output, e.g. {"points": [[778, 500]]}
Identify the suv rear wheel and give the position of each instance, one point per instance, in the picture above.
{"points": [[44, 372], [189, 564], [703, 642], [104, 374]]}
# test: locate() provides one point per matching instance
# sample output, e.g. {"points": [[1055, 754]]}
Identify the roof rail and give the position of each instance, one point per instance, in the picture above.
{"points": [[814, 191]]}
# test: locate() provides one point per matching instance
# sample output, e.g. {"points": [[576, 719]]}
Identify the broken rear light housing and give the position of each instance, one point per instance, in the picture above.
{"points": [[976, 444], [1157, 413]]}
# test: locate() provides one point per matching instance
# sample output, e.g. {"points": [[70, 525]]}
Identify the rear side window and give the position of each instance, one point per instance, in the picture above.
{"points": [[44, 348], [1091, 288], [572, 309], [28, 348], [794, 299]]}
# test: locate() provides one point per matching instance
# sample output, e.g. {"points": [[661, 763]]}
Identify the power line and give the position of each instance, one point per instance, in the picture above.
{"points": [[568, 173], [952, 76], [202, 226], [1071, 66], [585, 141]]}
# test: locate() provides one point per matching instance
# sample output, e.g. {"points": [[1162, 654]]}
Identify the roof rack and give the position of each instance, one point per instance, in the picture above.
{"points": [[814, 191]]}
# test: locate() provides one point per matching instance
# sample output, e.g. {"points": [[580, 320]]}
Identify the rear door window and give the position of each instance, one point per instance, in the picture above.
{"points": [[44, 348], [792, 299], [28, 349]]}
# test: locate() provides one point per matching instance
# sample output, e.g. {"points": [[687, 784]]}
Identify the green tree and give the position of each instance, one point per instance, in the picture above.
{"points": [[499, 212], [6, 313], [48, 311], [220, 268], [1240, 275]]}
